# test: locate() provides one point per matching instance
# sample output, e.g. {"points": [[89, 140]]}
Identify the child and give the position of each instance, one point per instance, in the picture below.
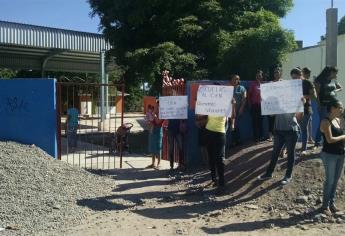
{"points": [[149, 118]]}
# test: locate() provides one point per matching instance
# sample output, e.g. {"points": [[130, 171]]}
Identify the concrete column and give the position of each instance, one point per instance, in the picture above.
{"points": [[107, 109], [102, 81], [331, 36]]}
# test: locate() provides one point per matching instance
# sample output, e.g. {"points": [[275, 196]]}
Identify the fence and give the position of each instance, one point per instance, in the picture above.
{"points": [[90, 118]]}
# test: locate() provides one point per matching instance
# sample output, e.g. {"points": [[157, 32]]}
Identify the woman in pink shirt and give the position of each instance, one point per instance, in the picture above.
{"points": [[254, 99]]}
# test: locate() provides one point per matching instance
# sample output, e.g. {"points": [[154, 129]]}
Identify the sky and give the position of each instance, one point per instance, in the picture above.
{"points": [[307, 19]]}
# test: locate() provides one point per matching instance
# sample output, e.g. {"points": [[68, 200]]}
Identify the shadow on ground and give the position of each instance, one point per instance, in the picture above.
{"points": [[195, 197]]}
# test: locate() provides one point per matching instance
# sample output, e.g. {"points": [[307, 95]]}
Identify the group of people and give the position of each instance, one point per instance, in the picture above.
{"points": [[285, 129], [175, 130]]}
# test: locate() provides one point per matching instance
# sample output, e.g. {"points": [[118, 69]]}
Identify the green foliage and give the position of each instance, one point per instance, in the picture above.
{"points": [[7, 73], [194, 39], [134, 101], [341, 26]]}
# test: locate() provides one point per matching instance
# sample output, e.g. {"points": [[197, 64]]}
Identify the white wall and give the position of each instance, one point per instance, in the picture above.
{"points": [[315, 58]]}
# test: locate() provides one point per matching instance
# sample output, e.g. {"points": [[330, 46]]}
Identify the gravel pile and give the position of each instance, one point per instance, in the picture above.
{"points": [[38, 193]]}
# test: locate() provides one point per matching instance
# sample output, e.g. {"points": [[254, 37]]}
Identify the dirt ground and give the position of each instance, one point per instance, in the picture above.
{"points": [[161, 202]]}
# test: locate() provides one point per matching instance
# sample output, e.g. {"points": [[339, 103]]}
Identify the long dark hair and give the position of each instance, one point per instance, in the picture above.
{"points": [[325, 73], [333, 103]]}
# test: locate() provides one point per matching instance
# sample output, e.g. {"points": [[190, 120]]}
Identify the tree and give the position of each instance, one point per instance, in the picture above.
{"points": [[7, 73], [194, 39], [341, 26]]}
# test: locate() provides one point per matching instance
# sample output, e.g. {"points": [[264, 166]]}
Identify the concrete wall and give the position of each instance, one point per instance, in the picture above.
{"points": [[28, 112], [315, 59]]}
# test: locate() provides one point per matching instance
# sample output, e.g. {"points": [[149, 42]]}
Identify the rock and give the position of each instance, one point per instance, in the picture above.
{"points": [[57, 207], [302, 227], [252, 207], [12, 227], [270, 225], [293, 212], [2, 229], [151, 227], [339, 214], [306, 191], [215, 213], [318, 201], [318, 163], [270, 208], [302, 199], [339, 221], [323, 216]]}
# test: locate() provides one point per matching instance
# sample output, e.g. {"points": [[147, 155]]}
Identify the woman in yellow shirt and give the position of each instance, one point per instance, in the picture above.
{"points": [[215, 133]]}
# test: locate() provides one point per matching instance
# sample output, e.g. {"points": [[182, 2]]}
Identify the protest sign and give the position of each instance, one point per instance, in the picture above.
{"points": [[281, 97], [214, 100], [173, 107]]}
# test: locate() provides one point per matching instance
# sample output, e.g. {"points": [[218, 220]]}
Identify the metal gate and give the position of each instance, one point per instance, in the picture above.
{"points": [[90, 124]]}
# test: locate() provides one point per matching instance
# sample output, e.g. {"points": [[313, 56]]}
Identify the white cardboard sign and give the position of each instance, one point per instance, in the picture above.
{"points": [[281, 97], [214, 100], [173, 107]]}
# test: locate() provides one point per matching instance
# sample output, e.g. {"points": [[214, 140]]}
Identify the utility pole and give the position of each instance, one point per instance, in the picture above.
{"points": [[331, 36]]}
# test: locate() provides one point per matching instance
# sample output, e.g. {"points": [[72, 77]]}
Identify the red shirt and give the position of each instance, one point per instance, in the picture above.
{"points": [[254, 96]]}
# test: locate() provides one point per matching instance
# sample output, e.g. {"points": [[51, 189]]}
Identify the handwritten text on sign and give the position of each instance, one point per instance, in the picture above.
{"points": [[173, 107], [214, 100], [281, 97]]}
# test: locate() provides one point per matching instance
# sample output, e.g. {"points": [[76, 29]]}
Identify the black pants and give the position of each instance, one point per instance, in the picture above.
{"points": [[257, 121], [216, 151], [271, 119], [175, 140]]}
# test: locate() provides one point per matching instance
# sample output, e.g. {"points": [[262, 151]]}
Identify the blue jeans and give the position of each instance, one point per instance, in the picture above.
{"points": [[72, 137], [283, 138], [333, 168], [322, 114], [304, 130]]}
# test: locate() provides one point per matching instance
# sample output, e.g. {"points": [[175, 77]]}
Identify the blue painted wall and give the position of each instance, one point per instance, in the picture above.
{"points": [[28, 112], [193, 156]]}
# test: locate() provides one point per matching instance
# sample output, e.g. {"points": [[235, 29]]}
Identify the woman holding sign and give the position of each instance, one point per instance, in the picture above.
{"points": [[215, 133]]}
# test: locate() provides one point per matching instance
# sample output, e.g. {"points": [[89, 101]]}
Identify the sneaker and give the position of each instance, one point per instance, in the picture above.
{"points": [[326, 211], [302, 154], [264, 177], [220, 190], [286, 180], [333, 208]]}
